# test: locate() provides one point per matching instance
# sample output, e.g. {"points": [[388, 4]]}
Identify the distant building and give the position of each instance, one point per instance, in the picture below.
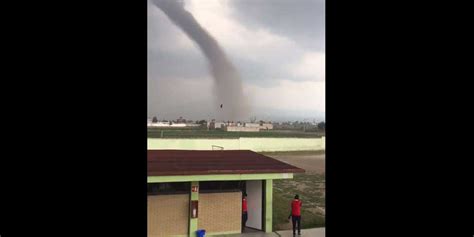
{"points": [[252, 125], [192, 125], [180, 125], [240, 129], [216, 125], [266, 126], [166, 124]]}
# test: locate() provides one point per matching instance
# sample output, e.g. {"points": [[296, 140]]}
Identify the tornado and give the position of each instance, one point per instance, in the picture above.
{"points": [[230, 103]]}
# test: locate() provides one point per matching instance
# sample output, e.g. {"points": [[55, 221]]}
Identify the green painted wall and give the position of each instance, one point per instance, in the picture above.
{"points": [[244, 143]]}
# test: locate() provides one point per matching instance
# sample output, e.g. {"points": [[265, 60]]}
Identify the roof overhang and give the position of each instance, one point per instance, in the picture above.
{"points": [[217, 177]]}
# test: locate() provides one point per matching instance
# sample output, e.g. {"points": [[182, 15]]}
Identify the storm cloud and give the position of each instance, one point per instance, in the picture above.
{"points": [[280, 60]]}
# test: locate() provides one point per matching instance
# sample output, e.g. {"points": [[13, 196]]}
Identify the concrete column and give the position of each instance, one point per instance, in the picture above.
{"points": [[193, 222], [268, 205]]}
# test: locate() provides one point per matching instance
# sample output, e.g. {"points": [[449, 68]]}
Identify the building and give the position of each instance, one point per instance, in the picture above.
{"points": [[167, 124], [159, 124], [192, 125], [240, 129], [191, 190], [252, 125], [216, 125], [266, 126]]}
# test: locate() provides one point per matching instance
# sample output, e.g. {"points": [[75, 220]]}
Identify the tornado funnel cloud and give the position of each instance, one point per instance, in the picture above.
{"points": [[228, 85]]}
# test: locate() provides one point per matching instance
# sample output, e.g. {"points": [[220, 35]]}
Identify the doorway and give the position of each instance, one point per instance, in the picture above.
{"points": [[254, 202]]}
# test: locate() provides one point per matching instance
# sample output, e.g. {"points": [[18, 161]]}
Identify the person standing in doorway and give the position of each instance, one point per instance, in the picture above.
{"points": [[296, 214], [244, 210]]}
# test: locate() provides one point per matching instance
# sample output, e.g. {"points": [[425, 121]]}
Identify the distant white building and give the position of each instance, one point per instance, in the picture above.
{"points": [[214, 125], [266, 126], [240, 129], [192, 125], [166, 124], [252, 125], [178, 125]]}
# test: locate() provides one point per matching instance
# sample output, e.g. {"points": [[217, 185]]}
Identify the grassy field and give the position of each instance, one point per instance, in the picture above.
{"points": [[203, 133], [310, 188]]}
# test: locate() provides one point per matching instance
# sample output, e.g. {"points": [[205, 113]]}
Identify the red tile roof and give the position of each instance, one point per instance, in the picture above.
{"points": [[190, 162]]}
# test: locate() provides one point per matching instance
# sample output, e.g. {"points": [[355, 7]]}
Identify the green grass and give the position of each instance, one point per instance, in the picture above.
{"points": [[203, 133], [310, 192]]}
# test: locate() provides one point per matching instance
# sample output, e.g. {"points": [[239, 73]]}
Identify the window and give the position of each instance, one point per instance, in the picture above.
{"points": [[168, 188], [221, 186]]}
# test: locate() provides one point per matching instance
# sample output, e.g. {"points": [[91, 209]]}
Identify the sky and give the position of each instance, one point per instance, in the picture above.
{"points": [[277, 46]]}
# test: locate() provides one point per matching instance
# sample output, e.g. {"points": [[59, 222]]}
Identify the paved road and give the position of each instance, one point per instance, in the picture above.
{"points": [[316, 232]]}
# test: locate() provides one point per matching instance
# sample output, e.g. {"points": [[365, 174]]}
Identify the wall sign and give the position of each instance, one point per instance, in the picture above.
{"points": [[194, 209]]}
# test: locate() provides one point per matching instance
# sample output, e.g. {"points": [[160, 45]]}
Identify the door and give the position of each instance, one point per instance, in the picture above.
{"points": [[254, 204]]}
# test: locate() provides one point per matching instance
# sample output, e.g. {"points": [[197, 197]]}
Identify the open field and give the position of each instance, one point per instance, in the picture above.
{"points": [[310, 186], [312, 161], [203, 133]]}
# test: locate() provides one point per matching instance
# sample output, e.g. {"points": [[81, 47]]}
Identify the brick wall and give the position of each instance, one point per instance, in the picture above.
{"points": [[220, 212], [168, 215]]}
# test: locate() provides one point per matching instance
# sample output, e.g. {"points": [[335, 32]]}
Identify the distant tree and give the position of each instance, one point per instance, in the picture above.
{"points": [[322, 126], [171, 123], [202, 123], [253, 119], [154, 120], [181, 120]]}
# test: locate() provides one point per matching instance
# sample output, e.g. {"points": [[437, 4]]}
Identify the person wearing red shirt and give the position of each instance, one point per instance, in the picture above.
{"points": [[296, 214], [244, 210]]}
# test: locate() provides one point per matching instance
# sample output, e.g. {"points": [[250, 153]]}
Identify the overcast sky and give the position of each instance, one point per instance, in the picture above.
{"points": [[277, 46]]}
